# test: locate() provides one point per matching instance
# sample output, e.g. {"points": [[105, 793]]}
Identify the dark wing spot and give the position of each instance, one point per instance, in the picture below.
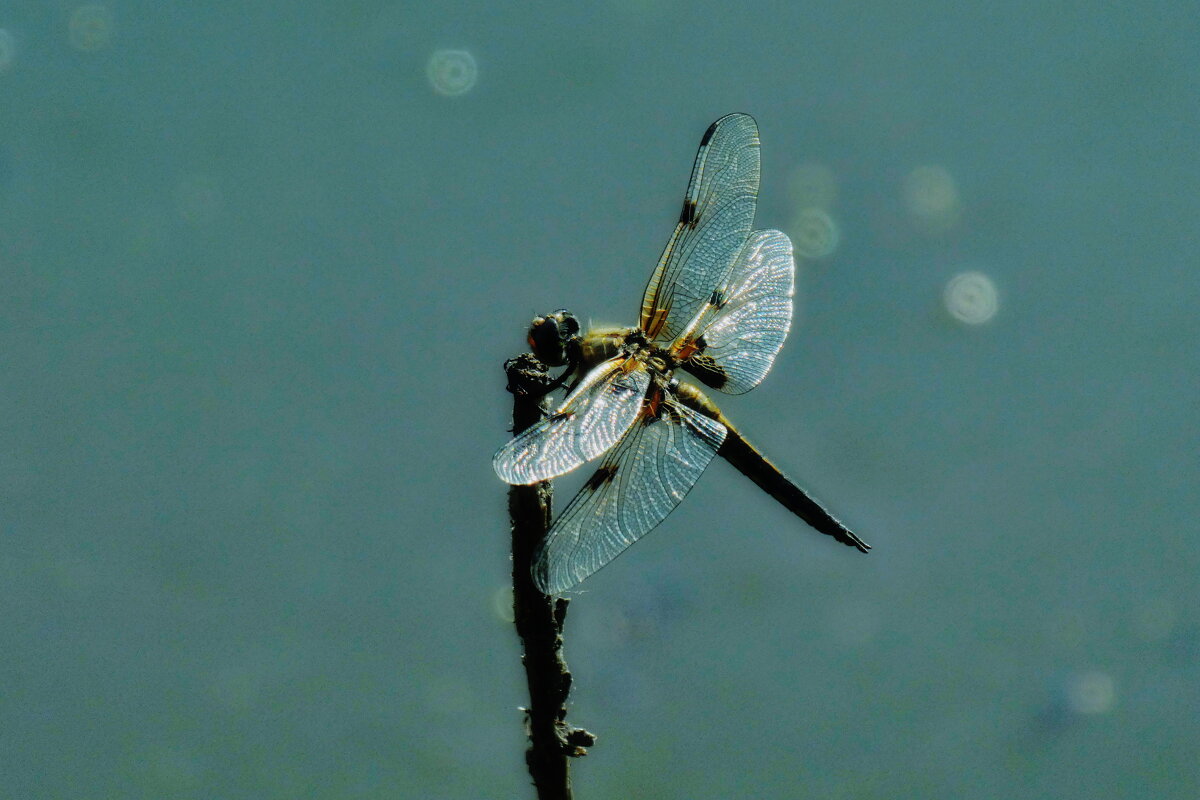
{"points": [[706, 370], [600, 477], [700, 343], [688, 215], [718, 300], [708, 134], [557, 416]]}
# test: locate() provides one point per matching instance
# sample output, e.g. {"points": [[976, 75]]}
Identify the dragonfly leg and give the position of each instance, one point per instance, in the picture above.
{"points": [[574, 383], [572, 368]]}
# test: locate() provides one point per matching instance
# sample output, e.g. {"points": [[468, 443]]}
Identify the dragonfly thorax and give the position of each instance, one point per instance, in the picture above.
{"points": [[602, 344], [556, 341]]}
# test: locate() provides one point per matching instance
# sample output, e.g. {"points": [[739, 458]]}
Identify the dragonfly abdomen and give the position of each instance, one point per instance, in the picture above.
{"points": [[755, 466], [750, 461]]}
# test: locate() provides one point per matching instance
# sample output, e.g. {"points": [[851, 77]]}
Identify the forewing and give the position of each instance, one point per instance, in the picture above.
{"points": [[743, 326], [639, 482], [590, 421], [718, 211]]}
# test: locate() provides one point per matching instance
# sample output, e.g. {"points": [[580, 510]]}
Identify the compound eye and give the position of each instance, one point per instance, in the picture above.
{"points": [[546, 339]]}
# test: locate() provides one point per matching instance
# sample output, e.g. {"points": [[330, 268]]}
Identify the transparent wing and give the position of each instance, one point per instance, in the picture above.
{"points": [[718, 211], [639, 482], [742, 327], [590, 421]]}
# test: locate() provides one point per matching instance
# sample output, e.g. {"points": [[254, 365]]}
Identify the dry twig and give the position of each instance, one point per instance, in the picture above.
{"points": [[539, 618]]}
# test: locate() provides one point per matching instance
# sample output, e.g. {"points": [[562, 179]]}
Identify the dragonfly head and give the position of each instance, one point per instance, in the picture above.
{"points": [[554, 338]]}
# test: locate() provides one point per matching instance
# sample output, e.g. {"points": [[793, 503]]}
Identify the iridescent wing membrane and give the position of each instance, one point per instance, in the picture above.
{"points": [[742, 326], [718, 210], [638, 484], [723, 297], [588, 423]]}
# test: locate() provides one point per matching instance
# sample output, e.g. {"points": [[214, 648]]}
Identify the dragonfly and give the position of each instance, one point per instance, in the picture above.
{"points": [[717, 308]]}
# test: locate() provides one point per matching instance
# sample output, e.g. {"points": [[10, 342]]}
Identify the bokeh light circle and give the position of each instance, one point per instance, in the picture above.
{"points": [[1091, 693], [814, 233], [452, 72], [971, 298], [931, 197], [502, 604]]}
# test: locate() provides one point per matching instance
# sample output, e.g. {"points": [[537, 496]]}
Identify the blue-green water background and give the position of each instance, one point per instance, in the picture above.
{"points": [[257, 279]]}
